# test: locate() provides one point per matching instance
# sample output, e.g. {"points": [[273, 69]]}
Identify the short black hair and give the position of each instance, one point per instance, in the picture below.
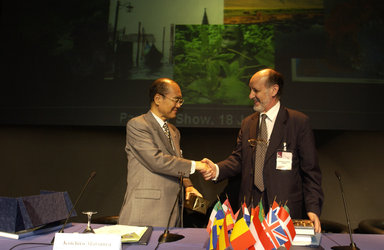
{"points": [[159, 86]]}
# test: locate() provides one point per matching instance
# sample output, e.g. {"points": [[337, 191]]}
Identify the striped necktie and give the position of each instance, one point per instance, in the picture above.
{"points": [[261, 149], [167, 132]]}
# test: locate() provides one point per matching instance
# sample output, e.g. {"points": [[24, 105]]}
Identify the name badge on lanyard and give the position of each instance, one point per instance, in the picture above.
{"points": [[284, 159]]}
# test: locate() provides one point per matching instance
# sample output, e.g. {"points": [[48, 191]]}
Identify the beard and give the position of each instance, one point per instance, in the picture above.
{"points": [[259, 105], [260, 108]]}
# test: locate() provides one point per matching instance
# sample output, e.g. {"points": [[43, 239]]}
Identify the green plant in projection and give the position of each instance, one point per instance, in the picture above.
{"points": [[196, 70], [232, 90], [258, 40], [209, 74]]}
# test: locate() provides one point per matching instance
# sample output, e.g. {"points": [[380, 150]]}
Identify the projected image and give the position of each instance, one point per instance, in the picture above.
{"points": [[340, 43], [141, 34], [355, 45], [90, 62], [214, 63], [47, 43], [272, 11]]}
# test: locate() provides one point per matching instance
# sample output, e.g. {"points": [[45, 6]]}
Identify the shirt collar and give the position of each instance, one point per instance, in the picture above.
{"points": [[158, 119], [272, 113]]}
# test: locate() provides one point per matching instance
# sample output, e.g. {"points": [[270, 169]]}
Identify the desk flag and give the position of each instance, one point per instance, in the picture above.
{"points": [[262, 240], [246, 215], [213, 215], [241, 237], [229, 216], [287, 224], [227, 208], [223, 242], [262, 233], [261, 211], [216, 228], [273, 228]]}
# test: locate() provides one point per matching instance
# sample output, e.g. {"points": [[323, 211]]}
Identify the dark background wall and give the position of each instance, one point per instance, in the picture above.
{"points": [[60, 158]]}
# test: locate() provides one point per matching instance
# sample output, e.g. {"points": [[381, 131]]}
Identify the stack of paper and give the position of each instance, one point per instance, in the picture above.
{"points": [[127, 233]]}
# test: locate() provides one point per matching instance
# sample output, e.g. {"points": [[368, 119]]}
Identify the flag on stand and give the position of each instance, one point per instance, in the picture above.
{"points": [[287, 208], [241, 237], [213, 215], [275, 207], [219, 218], [229, 221], [273, 229], [287, 224], [213, 235], [253, 213], [223, 242], [262, 240], [227, 208], [261, 211], [216, 229], [247, 216], [260, 233], [229, 216], [250, 211]]}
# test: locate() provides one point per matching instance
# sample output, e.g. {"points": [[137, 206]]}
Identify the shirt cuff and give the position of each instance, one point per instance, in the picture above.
{"points": [[193, 167], [217, 173]]}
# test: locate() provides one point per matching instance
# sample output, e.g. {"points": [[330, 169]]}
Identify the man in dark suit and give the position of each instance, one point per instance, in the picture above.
{"points": [[288, 168], [155, 162]]}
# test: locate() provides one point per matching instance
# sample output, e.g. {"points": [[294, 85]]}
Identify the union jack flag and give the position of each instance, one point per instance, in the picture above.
{"points": [[273, 229]]}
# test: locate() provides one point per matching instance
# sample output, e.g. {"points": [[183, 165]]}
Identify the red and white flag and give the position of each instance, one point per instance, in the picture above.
{"points": [[262, 240], [287, 224]]}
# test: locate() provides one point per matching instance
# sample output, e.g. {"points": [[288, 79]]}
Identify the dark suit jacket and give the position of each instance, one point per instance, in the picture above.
{"points": [[153, 171], [301, 186]]}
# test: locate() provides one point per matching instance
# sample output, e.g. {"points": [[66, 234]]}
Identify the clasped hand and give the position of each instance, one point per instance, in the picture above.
{"points": [[207, 169]]}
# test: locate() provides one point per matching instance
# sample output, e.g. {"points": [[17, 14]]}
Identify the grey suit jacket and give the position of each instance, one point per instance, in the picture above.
{"points": [[153, 171]]}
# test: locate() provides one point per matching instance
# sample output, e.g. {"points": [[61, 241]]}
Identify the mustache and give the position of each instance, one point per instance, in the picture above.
{"points": [[256, 99]]}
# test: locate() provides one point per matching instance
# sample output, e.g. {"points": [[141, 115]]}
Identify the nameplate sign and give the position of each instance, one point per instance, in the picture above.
{"points": [[76, 241]]}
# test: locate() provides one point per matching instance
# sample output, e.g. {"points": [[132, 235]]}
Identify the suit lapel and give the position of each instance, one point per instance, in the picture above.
{"points": [[254, 126], [277, 135], [253, 129], [159, 130], [175, 140]]}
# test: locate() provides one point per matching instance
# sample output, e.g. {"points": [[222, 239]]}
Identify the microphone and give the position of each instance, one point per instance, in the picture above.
{"points": [[167, 236], [352, 246], [77, 200]]}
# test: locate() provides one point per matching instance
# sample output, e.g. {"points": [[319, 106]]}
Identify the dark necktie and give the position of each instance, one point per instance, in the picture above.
{"points": [[167, 133], [261, 149]]}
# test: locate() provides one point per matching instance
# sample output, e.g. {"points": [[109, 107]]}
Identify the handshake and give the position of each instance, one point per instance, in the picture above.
{"points": [[207, 168]]}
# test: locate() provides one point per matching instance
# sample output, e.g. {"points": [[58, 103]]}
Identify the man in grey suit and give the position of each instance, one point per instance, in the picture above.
{"points": [[155, 162], [281, 165]]}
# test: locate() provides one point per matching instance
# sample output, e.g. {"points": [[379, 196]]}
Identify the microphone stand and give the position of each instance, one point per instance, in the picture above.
{"points": [[73, 207], [182, 197], [167, 236], [352, 246]]}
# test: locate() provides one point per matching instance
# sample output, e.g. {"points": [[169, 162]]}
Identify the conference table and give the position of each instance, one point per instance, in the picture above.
{"points": [[194, 238]]}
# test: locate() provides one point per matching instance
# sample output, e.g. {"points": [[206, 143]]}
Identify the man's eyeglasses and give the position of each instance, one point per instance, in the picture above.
{"points": [[178, 100]]}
